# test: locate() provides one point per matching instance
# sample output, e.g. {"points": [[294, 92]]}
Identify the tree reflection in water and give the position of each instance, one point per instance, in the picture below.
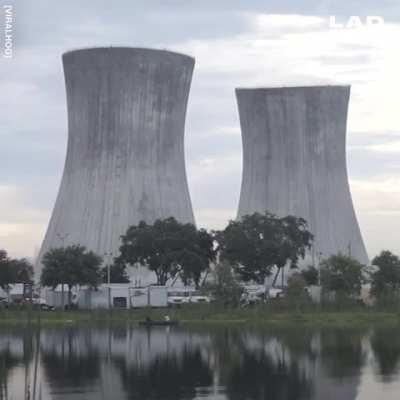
{"points": [[342, 353], [169, 377], [258, 377], [65, 365], [385, 343], [7, 362], [16, 351]]}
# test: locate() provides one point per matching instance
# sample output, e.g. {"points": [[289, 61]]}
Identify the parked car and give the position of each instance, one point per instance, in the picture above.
{"points": [[197, 297], [276, 293], [253, 294], [3, 302], [39, 302], [177, 297], [251, 298]]}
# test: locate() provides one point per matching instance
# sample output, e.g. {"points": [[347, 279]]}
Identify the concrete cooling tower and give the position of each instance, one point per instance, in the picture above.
{"points": [[125, 157], [294, 162]]}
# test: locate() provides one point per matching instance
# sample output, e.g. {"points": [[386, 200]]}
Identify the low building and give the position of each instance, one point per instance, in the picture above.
{"points": [[123, 296]]}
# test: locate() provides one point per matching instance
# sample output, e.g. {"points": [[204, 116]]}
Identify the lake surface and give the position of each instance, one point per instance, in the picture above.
{"points": [[218, 363]]}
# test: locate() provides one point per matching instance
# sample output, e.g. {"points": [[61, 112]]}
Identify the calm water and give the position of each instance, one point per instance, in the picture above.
{"points": [[200, 363]]}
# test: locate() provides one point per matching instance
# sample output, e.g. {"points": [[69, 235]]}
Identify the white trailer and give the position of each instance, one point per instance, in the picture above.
{"points": [[104, 296], [54, 297], [119, 295], [139, 297], [158, 296], [90, 298]]}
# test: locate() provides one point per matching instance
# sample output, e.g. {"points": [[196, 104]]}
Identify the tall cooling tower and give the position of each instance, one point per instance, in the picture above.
{"points": [[294, 162], [125, 158]]}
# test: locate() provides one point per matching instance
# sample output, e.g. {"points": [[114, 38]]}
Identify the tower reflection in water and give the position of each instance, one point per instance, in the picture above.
{"points": [[213, 363]]}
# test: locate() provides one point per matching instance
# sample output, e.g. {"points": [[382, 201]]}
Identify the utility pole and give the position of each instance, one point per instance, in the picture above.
{"points": [[313, 254], [319, 268], [108, 256], [62, 238]]}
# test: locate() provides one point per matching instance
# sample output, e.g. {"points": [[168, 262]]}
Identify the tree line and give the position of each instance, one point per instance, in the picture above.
{"points": [[250, 249]]}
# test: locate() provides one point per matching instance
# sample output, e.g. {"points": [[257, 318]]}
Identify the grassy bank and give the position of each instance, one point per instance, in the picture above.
{"points": [[202, 314]]}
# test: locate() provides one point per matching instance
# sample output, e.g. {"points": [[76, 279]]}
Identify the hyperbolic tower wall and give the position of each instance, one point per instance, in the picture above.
{"points": [[294, 162], [125, 158]]}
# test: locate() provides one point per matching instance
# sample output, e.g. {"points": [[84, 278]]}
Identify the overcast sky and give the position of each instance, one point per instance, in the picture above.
{"points": [[235, 43]]}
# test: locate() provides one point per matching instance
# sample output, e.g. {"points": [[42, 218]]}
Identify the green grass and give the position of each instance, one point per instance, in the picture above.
{"points": [[207, 314]]}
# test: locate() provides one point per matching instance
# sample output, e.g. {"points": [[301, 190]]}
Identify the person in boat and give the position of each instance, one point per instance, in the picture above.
{"points": [[166, 318]]}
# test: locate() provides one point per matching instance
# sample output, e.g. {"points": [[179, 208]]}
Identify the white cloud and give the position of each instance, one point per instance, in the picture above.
{"points": [[390, 147], [288, 22], [21, 226], [215, 218], [377, 202], [227, 131], [303, 50]]}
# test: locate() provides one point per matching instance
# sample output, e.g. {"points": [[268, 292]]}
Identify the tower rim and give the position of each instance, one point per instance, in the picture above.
{"points": [[127, 49], [289, 88]]}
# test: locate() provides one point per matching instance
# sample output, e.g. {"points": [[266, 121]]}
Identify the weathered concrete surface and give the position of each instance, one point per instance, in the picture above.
{"points": [[294, 162], [125, 157]]}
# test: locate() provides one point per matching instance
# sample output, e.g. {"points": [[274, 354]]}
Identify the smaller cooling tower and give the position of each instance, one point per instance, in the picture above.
{"points": [[294, 162]]}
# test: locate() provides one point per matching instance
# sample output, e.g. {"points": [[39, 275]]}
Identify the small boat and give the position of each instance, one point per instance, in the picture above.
{"points": [[158, 323]]}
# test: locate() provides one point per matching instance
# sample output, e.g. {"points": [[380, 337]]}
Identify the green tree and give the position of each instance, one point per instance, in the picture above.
{"points": [[6, 275], [225, 289], [22, 270], [385, 281], [72, 265], [297, 290], [296, 285], [342, 275], [169, 248], [14, 270], [118, 274], [310, 275], [257, 243]]}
